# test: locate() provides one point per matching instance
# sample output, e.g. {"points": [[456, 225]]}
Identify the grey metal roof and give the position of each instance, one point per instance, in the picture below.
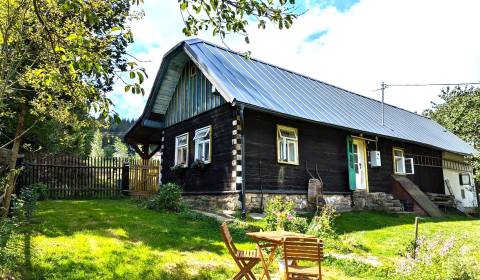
{"points": [[272, 88]]}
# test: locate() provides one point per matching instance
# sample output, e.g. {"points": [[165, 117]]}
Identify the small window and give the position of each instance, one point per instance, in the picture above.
{"points": [[402, 165], [181, 150], [465, 179], [462, 193], [287, 144], [203, 144]]}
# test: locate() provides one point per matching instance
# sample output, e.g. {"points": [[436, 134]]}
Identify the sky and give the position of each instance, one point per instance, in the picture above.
{"points": [[353, 44]]}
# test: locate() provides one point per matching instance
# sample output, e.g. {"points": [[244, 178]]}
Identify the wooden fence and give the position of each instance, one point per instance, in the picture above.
{"points": [[71, 177]]}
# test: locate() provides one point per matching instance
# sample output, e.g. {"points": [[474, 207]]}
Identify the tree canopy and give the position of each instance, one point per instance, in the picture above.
{"points": [[460, 113]]}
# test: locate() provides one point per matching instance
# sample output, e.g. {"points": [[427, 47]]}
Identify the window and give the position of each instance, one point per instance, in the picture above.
{"points": [[465, 179], [402, 165], [462, 193], [203, 144], [287, 145], [181, 150]]}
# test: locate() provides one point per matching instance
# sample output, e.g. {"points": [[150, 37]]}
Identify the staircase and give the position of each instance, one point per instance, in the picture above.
{"points": [[442, 200], [378, 201]]}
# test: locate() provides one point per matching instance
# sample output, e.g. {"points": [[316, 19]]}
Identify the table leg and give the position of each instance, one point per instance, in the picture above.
{"points": [[266, 263]]}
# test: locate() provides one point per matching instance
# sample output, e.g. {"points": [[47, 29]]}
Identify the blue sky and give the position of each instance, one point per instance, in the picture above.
{"points": [[354, 44]]}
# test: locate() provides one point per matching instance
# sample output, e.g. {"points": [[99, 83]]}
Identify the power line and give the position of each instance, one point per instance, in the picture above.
{"points": [[428, 84]]}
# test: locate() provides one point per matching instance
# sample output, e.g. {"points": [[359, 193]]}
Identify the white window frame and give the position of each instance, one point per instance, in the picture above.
{"points": [[283, 141], [203, 142], [400, 163], [177, 147]]}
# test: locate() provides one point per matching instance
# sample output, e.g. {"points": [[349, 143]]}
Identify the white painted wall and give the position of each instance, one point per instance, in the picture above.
{"points": [[453, 177]]}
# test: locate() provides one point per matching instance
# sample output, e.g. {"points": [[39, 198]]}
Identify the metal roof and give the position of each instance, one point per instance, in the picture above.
{"points": [[268, 87]]}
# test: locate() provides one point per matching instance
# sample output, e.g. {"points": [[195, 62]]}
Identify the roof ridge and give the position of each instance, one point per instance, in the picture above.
{"points": [[198, 40]]}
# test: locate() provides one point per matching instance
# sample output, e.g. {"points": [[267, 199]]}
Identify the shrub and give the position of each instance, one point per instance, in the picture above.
{"points": [[322, 224], [440, 257], [280, 215], [168, 198], [27, 204], [41, 189]]}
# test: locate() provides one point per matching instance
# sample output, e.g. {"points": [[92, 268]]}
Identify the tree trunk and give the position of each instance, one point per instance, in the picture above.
{"points": [[10, 182]]}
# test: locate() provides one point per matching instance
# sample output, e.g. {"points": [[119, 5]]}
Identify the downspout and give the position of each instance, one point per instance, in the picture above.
{"points": [[243, 199]]}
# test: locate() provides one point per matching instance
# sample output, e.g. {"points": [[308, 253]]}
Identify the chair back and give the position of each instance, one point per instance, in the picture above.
{"points": [[227, 239], [299, 248]]}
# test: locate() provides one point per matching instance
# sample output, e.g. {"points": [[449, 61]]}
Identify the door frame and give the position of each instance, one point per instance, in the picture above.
{"points": [[364, 144]]}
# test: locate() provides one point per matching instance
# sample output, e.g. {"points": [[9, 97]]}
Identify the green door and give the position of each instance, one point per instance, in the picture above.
{"points": [[351, 164]]}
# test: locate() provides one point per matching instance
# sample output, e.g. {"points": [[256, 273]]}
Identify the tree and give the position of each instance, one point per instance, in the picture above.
{"points": [[120, 149], [232, 16], [97, 145], [58, 61], [60, 58], [460, 113]]}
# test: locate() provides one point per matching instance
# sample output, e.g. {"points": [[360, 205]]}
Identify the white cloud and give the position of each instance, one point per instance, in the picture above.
{"points": [[376, 40]]}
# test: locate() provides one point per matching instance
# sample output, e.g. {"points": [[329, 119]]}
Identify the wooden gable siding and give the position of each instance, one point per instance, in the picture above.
{"points": [[217, 175], [326, 147], [192, 96]]}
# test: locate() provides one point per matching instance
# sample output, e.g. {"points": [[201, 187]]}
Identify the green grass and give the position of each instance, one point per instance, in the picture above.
{"points": [[115, 239]]}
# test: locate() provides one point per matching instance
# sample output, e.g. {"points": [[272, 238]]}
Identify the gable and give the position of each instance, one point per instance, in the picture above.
{"points": [[192, 95]]}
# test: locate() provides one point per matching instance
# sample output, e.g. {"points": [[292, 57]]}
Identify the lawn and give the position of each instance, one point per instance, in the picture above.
{"points": [[115, 239]]}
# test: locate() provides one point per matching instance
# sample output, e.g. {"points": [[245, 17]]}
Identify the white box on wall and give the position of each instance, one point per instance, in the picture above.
{"points": [[375, 159]]}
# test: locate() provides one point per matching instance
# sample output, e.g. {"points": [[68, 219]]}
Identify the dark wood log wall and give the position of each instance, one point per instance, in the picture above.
{"points": [[217, 175], [326, 147], [429, 179], [317, 144]]}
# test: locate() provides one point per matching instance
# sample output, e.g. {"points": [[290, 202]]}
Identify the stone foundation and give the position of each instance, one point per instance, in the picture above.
{"points": [[211, 202], [378, 201], [342, 203]]}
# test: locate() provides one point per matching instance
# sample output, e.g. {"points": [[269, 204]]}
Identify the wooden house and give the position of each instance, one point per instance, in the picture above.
{"points": [[234, 132]]}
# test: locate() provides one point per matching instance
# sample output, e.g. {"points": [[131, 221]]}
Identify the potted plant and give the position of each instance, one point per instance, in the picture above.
{"points": [[199, 165], [178, 170]]}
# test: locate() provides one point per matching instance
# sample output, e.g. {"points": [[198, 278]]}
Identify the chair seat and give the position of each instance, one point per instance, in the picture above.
{"points": [[247, 254], [304, 270]]}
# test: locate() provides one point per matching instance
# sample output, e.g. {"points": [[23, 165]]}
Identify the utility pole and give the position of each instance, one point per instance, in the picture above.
{"points": [[383, 87]]}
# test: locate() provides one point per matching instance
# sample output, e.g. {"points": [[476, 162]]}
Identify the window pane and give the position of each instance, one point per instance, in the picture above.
{"points": [[184, 155], [288, 133], [202, 134], [200, 151], [398, 153], [291, 152], [206, 151], [182, 140]]}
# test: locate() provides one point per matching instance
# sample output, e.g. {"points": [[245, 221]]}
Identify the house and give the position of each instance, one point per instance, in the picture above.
{"points": [[232, 130]]}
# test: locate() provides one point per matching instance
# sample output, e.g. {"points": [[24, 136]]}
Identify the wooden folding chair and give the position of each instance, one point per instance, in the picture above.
{"points": [[245, 259], [302, 249]]}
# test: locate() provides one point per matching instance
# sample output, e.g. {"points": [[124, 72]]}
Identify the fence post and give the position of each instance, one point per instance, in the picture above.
{"points": [[126, 178]]}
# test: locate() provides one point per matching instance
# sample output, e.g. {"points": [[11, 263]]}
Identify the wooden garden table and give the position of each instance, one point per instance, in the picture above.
{"points": [[273, 239]]}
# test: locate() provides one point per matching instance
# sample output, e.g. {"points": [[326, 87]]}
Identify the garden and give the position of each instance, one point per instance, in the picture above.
{"points": [[160, 238]]}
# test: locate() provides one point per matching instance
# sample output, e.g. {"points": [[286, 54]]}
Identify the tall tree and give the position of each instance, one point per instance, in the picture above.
{"points": [[120, 149], [58, 61], [460, 113], [97, 145]]}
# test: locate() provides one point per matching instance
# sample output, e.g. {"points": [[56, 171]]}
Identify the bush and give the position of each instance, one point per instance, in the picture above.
{"points": [[168, 198], [41, 189], [280, 215], [27, 204], [440, 257], [322, 224]]}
